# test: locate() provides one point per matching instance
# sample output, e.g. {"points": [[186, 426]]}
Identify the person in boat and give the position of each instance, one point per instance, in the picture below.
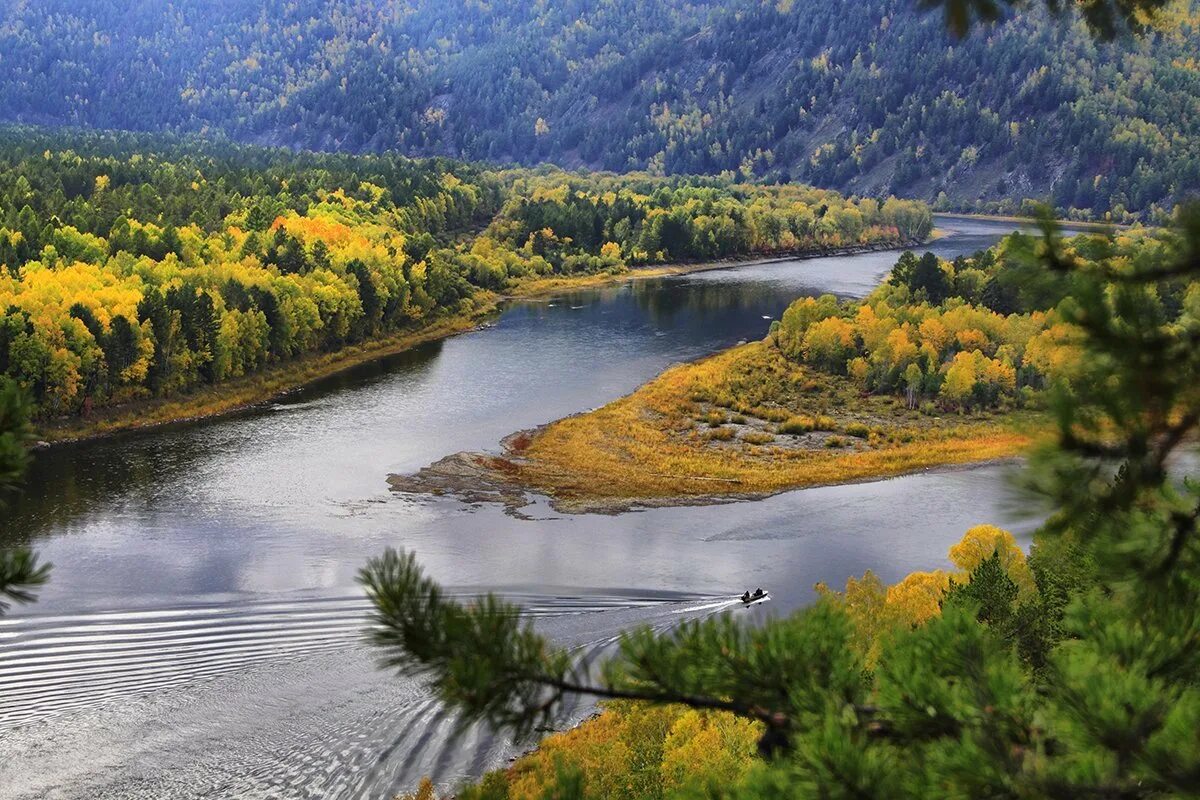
{"points": [[746, 596], [759, 592]]}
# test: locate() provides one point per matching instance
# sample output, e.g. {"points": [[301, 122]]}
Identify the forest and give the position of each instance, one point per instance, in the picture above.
{"points": [[140, 267], [870, 98]]}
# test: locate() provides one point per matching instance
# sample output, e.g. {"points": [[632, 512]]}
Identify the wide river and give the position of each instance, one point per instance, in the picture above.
{"points": [[201, 635]]}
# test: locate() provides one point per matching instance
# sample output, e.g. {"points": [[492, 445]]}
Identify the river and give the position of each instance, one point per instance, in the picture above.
{"points": [[201, 635]]}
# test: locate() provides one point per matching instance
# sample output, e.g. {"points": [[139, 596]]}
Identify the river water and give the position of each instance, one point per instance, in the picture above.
{"points": [[201, 635]]}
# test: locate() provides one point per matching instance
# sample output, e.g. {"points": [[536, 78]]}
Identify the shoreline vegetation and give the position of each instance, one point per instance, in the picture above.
{"points": [[1074, 224]]}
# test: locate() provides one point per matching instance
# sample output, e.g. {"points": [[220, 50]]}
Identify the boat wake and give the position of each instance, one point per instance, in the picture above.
{"points": [[260, 699], [715, 606]]}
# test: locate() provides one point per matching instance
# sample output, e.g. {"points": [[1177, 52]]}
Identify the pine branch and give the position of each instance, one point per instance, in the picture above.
{"points": [[20, 575]]}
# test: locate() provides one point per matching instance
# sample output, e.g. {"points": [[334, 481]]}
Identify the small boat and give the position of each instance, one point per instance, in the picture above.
{"points": [[754, 598]]}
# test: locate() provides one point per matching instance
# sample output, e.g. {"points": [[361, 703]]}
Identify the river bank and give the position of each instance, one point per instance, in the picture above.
{"points": [[252, 390], [743, 424], [272, 384], [1076, 225]]}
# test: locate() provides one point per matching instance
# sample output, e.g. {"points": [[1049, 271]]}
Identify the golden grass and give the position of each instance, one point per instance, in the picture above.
{"points": [[648, 444]]}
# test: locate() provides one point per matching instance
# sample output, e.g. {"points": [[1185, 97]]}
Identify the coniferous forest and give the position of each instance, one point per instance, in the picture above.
{"points": [[872, 98]]}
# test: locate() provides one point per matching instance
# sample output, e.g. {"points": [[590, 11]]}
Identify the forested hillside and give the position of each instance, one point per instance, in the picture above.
{"points": [[135, 268], [869, 97]]}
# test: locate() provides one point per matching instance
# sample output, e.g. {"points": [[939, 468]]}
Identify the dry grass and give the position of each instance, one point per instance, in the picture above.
{"points": [[649, 445]]}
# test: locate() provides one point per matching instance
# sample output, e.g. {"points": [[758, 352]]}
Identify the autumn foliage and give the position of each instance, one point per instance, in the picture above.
{"points": [[132, 268], [967, 334]]}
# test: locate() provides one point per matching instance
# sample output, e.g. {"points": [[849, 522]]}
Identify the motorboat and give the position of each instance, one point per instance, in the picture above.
{"points": [[759, 595]]}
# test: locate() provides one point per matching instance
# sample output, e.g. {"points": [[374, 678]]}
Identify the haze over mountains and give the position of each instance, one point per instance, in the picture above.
{"points": [[868, 97]]}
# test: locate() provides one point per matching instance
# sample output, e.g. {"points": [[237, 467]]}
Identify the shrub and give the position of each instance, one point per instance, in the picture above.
{"points": [[835, 442], [797, 425], [858, 429], [824, 423], [771, 414], [757, 437], [721, 434]]}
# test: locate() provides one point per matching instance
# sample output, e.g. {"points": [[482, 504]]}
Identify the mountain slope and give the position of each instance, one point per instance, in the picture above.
{"points": [[869, 97]]}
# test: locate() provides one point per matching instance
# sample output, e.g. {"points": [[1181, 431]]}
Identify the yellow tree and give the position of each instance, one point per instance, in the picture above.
{"points": [[980, 542], [960, 378], [828, 343], [917, 598]]}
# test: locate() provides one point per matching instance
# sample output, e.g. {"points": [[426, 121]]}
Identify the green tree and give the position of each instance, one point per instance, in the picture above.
{"points": [[924, 274]]}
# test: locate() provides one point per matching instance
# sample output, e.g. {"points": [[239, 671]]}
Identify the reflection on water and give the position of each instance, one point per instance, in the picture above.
{"points": [[133, 471], [206, 561]]}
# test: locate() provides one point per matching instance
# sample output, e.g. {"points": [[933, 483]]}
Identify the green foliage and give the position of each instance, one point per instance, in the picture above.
{"points": [[924, 275], [14, 434], [643, 219], [871, 97], [20, 575], [485, 657]]}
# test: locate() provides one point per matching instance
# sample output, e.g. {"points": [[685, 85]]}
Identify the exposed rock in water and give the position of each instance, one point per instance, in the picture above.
{"points": [[471, 477], [476, 478]]}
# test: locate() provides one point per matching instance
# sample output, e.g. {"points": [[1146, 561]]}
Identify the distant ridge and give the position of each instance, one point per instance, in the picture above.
{"points": [[868, 97]]}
